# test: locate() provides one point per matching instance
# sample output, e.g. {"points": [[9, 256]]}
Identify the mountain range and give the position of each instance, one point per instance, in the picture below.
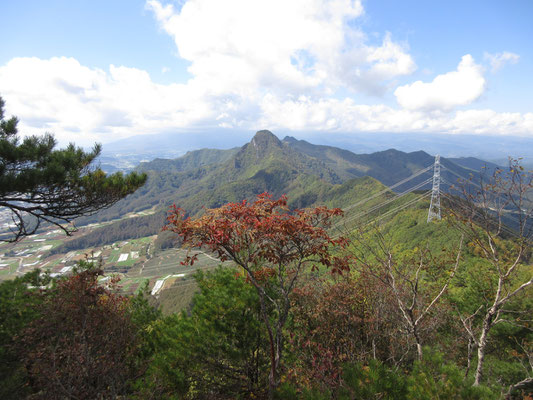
{"points": [[127, 153], [308, 174]]}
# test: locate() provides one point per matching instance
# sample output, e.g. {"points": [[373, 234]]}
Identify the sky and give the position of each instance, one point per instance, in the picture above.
{"points": [[99, 71]]}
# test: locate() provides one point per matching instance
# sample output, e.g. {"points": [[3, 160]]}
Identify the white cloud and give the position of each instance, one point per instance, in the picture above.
{"points": [[456, 88], [298, 46], [489, 121], [347, 116], [276, 64], [498, 60], [87, 104]]}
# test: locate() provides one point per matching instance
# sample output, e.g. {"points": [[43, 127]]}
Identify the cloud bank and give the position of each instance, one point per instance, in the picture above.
{"points": [[297, 64]]}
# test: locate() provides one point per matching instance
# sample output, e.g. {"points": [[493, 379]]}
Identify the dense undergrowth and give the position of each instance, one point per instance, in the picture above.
{"points": [[401, 318]]}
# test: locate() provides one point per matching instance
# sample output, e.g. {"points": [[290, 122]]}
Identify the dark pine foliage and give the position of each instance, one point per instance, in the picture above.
{"points": [[40, 184]]}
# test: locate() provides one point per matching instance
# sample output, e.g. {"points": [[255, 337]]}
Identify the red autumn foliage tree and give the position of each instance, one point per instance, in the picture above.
{"points": [[273, 245]]}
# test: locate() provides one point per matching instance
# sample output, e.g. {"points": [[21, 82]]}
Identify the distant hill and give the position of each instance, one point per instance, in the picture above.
{"points": [[474, 163], [308, 174], [127, 153], [191, 160], [389, 166]]}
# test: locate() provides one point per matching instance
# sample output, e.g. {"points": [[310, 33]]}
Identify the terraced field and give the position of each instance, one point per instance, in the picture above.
{"points": [[134, 261]]}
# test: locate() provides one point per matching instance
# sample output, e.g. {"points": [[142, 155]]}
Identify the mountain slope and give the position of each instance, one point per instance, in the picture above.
{"points": [[308, 174], [389, 166], [473, 163], [191, 160]]}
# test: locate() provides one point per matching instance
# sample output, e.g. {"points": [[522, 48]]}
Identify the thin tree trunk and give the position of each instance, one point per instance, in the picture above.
{"points": [[418, 344], [482, 344], [272, 378], [272, 375], [469, 357]]}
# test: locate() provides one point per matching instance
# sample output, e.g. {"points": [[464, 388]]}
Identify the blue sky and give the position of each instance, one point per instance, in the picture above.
{"points": [[104, 70]]}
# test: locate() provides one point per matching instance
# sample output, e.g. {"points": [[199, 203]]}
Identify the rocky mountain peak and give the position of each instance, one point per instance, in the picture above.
{"points": [[264, 142], [289, 139], [264, 139]]}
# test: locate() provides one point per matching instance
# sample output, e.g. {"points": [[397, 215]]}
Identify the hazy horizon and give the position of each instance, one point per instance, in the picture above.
{"points": [[491, 148], [338, 69]]}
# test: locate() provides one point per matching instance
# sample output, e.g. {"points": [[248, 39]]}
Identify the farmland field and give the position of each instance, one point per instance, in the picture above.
{"points": [[134, 261]]}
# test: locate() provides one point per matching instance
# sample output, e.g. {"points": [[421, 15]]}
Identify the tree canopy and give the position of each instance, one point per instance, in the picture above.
{"points": [[39, 183], [273, 246]]}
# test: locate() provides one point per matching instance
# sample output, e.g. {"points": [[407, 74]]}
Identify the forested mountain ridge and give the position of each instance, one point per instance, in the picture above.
{"points": [[264, 164], [308, 174], [473, 163], [389, 166], [191, 160]]}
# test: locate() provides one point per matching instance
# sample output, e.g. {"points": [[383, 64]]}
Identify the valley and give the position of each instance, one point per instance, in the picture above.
{"points": [[127, 239], [381, 280], [267, 200]]}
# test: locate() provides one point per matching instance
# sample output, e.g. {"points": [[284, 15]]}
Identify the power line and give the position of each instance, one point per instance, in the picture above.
{"points": [[405, 205], [478, 213], [507, 216], [469, 180], [388, 189], [384, 203], [394, 210]]}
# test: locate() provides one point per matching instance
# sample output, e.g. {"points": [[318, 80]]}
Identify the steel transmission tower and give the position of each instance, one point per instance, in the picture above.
{"points": [[434, 207]]}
